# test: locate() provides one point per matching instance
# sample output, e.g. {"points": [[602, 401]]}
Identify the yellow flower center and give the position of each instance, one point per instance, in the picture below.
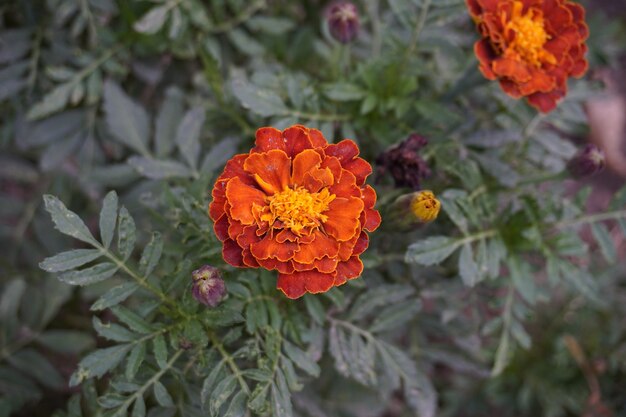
{"points": [[530, 36], [425, 206], [298, 208]]}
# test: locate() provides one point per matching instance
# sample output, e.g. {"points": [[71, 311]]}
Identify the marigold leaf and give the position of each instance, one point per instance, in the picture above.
{"points": [[188, 135], [108, 218], [605, 241], [162, 396], [126, 233], [301, 359], [153, 20], [151, 254], [127, 121], [432, 250], [90, 275], [69, 260], [115, 296], [66, 221], [134, 361], [99, 362]]}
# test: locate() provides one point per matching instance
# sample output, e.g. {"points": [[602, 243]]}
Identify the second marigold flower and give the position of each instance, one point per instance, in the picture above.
{"points": [[298, 205], [531, 46]]}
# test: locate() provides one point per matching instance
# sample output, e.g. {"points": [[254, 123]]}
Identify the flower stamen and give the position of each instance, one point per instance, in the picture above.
{"points": [[529, 36], [298, 209]]}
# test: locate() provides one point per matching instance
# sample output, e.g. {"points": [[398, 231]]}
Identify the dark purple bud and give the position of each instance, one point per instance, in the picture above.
{"points": [[343, 21], [208, 285], [404, 163], [587, 162]]}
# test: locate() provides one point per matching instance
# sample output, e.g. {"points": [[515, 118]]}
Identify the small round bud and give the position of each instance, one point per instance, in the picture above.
{"points": [[413, 209], [343, 21], [208, 285], [425, 206], [587, 162]]}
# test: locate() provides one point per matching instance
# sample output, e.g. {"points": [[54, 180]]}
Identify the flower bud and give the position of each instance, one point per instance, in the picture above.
{"points": [[208, 286], [404, 163], [587, 162], [343, 21], [414, 209]]}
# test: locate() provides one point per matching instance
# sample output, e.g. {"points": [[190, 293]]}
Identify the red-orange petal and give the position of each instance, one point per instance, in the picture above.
{"points": [[349, 269], [270, 248], [343, 217], [297, 284], [268, 138], [221, 228], [242, 197], [323, 245], [231, 252], [360, 168], [270, 169], [297, 139], [303, 163], [345, 151]]}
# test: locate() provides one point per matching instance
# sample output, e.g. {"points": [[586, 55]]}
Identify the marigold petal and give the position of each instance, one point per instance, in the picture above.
{"points": [[343, 217], [511, 68], [296, 140], [323, 245], [268, 138], [544, 102], [231, 252], [486, 56], [345, 151], [303, 163], [221, 228], [317, 138], [242, 198], [349, 269], [291, 285], [360, 168], [270, 248], [270, 169]]}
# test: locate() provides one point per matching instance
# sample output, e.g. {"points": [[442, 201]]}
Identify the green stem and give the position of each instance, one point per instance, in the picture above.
{"points": [[151, 381], [229, 360], [591, 218], [239, 19], [419, 26], [503, 346], [318, 116]]}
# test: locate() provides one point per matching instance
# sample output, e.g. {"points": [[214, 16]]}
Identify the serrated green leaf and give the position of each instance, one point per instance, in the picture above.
{"points": [[160, 351], [69, 260], [188, 135], [126, 120], [260, 101], [66, 221], [113, 331], [108, 218], [395, 315], [115, 296], [343, 91], [134, 361], [237, 407], [162, 396], [90, 275], [139, 409], [315, 308], [52, 102], [301, 359], [151, 254], [223, 390], [99, 362], [210, 381], [468, 269], [167, 121], [153, 20], [126, 233], [157, 169], [11, 296], [523, 279], [432, 250], [258, 398], [605, 241], [37, 366], [66, 341], [132, 319]]}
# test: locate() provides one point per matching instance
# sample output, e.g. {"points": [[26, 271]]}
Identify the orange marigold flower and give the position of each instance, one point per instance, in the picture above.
{"points": [[531, 46], [298, 205]]}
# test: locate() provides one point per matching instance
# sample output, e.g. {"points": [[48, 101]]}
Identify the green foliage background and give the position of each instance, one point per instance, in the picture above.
{"points": [[500, 307]]}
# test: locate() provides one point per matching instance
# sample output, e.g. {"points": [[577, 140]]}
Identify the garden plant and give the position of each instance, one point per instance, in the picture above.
{"points": [[308, 208]]}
